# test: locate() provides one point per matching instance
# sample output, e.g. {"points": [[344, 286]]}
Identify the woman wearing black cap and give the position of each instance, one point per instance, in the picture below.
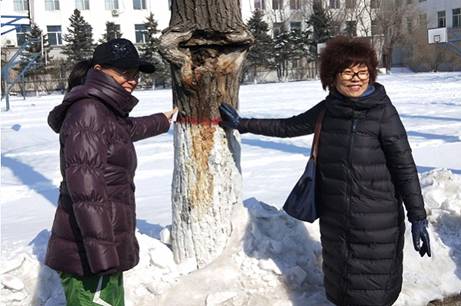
{"points": [[93, 236]]}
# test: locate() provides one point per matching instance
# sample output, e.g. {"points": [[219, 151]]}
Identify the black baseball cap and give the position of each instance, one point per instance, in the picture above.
{"points": [[120, 53]]}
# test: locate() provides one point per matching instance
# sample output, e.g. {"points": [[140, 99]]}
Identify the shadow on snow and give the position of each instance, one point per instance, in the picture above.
{"points": [[448, 227], [446, 138], [32, 178], [432, 117], [284, 147], [149, 229]]}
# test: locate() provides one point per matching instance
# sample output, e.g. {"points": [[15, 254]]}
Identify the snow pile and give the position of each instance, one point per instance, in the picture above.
{"points": [[25, 281], [271, 259], [442, 193]]}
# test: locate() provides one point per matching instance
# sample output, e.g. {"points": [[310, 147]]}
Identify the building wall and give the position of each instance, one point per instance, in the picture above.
{"points": [[420, 55], [96, 16], [431, 7], [286, 15], [7, 8]]}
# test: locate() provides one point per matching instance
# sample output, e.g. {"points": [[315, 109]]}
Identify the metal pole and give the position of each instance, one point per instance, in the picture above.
{"points": [[455, 49], [7, 92]]}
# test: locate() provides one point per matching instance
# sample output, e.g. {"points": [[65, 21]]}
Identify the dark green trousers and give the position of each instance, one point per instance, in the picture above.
{"points": [[106, 290]]}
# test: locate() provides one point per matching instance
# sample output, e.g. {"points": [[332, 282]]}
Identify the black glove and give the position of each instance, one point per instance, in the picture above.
{"points": [[230, 117], [419, 232]]}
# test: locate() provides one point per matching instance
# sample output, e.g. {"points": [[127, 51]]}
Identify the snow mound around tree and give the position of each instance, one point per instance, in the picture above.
{"points": [[271, 259]]}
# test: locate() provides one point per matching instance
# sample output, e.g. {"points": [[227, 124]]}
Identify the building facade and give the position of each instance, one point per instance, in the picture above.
{"points": [[416, 52], [441, 13], [52, 16], [352, 17]]}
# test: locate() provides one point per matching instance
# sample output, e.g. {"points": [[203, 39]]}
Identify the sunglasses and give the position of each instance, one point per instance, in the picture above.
{"points": [[129, 75]]}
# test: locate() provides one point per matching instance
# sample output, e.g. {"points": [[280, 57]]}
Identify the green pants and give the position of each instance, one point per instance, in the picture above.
{"points": [[94, 290]]}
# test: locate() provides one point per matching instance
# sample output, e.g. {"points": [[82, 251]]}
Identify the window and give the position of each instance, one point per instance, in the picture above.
{"points": [[113, 30], [295, 26], [21, 33], [457, 18], [350, 4], [441, 19], [409, 25], [260, 4], [375, 28], [295, 4], [82, 5], [111, 4], [334, 4], [52, 5], [139, 4], [374, 4], [140, 32], [21, 5], [277, 28], [54, 35], [422, 19], [351, 28], [277, 4]]}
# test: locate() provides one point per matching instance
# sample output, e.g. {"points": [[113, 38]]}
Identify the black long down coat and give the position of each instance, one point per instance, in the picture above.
{"points": [[365, 171], [94, 226]]}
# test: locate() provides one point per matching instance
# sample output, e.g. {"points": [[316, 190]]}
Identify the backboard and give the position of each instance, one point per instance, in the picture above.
{"points": [[437, 35]]}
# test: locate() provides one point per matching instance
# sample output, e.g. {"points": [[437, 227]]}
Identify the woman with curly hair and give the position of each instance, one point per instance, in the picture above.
{"points": [[365, 171]]}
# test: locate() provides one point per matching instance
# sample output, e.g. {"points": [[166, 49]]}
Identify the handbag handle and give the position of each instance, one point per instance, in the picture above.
{"points": [[315, 141]]}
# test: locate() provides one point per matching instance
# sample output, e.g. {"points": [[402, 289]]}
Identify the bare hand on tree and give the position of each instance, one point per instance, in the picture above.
{"points": [[171, 115]]}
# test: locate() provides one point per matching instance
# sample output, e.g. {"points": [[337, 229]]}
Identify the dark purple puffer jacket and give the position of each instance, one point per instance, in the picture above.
{"points": [[94, 227]]}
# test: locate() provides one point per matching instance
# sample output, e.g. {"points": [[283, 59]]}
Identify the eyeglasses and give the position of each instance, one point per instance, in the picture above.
{"points": [[349, 75], [129, 75]]}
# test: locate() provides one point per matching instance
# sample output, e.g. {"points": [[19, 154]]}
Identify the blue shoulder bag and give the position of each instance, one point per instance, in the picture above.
{"points": [[301, 203]]}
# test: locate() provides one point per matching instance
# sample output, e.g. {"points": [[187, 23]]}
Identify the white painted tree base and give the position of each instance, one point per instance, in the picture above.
{"points": [[206, 184]]}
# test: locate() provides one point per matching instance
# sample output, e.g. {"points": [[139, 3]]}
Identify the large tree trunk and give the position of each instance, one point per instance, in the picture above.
{"points": [[206, 44]]}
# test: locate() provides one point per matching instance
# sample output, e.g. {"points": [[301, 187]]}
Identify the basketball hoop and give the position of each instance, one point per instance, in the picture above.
{"points": [[437, 35]]}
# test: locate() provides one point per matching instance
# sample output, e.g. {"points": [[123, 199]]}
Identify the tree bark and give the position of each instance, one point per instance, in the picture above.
{"points": [[206, 44]]}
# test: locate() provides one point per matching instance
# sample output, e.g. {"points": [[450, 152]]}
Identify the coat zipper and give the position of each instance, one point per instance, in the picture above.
{"points": [[349, 200]]}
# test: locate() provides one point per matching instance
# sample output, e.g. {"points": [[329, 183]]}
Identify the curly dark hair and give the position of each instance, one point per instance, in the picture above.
{"points": [[342, 52]]}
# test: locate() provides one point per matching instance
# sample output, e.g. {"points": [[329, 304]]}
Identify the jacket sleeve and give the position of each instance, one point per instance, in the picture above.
{"points": [[148, 126], [393, 138], [85, 158], [302, 124]]}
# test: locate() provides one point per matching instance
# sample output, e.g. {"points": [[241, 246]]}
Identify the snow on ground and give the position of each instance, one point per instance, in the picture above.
{"points": [[271, 259]]}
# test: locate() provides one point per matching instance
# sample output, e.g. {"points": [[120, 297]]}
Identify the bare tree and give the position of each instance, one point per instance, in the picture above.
{"points": [[206, 44], [360, 13], [389, 18], [428, 57]]}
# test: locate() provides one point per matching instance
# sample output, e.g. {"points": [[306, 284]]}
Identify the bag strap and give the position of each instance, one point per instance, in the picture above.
{"points": [[315, 141]]}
